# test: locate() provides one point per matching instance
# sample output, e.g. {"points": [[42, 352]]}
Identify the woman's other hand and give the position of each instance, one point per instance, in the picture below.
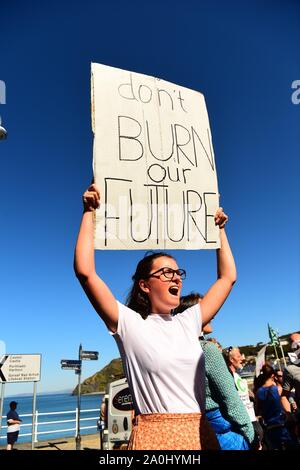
{"points": [[91, 198], [221, 218]]}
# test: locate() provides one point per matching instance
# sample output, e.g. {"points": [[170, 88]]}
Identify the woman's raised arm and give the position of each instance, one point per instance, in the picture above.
{"points": [[97, 291], [226, 274]]}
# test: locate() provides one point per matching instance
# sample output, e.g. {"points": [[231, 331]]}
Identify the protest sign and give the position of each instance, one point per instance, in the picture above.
{"points": [[153, 162], [260, 360]]}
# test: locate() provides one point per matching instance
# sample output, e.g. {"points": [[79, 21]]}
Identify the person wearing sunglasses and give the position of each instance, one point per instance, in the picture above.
{"points": [[162, 357], [268, 406], [278, 378]]}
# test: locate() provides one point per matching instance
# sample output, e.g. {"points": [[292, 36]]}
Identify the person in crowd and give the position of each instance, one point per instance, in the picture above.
{"points": [[234, 360], [269, 407], [13, 425], [278, 377], [161, 353], [290, 397], [223, 407], [291, 375]]}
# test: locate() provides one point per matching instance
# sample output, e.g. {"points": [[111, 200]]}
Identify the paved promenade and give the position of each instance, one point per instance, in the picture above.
{"points": [[88, 442]]}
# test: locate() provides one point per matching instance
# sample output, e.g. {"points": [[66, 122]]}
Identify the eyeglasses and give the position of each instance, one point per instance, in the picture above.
{"points": [[169, 273]]}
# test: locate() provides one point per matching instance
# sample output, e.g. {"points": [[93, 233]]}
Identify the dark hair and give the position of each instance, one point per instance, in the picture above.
{"points": [[266, 373], [187, 301], [138, 300]]}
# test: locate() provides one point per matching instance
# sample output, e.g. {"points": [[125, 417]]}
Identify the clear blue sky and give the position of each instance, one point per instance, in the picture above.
{"points": [[243, 56]]}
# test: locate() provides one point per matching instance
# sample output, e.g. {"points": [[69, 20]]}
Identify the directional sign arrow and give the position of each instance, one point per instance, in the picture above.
{"points": [[76, 368], [20, 368], [2, 362], [70, 364], [89, 355]]}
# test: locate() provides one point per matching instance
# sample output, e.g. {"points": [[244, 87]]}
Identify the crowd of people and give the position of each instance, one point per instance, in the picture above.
{"points": [[276, 426], [265, 416], [277, 403]]}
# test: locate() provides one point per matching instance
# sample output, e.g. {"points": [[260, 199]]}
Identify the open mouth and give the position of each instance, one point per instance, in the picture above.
{"points": [[174, 290]]}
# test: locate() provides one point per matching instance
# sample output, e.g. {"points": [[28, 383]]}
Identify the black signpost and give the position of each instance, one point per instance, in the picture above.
{"points": [[73, 364]]}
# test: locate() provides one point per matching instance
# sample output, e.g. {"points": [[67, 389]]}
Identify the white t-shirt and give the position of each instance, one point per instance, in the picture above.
{"points": [[242, 388], [12, 415], [163, 360]]}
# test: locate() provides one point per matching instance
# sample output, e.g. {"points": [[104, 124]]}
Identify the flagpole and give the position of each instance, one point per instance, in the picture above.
{"points": [[277, 356]]}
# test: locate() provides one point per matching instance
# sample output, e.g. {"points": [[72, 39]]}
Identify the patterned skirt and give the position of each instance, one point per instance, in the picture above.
{"points": [[172, 431]]}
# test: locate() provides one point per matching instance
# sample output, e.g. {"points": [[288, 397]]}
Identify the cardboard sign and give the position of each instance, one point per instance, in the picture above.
{"points": [[260, 360], [153, 162]]}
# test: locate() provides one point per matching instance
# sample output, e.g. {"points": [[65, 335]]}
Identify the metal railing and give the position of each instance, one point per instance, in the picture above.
{"points": [[36, 423]]}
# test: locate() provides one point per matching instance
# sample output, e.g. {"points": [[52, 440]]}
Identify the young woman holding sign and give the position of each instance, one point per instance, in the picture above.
{"points": [[162, 357]]}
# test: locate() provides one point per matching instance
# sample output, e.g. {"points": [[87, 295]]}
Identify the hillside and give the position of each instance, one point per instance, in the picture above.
{"points": [[251, 351]]}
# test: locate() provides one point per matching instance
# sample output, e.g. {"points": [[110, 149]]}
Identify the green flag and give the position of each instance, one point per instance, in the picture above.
{"points": [[273, 336]]}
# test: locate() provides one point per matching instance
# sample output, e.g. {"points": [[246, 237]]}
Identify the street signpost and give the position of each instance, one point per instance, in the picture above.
{"points": [[70, 364], [89, 355], [74, 364], [20, 368]]}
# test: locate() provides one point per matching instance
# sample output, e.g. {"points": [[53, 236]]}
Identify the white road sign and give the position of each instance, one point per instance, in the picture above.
{"points": [[20, 368]]}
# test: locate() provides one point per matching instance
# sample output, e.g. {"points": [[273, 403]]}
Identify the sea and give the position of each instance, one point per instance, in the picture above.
{"points": [[48, 403]]}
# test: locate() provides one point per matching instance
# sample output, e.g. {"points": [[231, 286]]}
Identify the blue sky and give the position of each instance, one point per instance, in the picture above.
{"points": [[243, 56]]}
